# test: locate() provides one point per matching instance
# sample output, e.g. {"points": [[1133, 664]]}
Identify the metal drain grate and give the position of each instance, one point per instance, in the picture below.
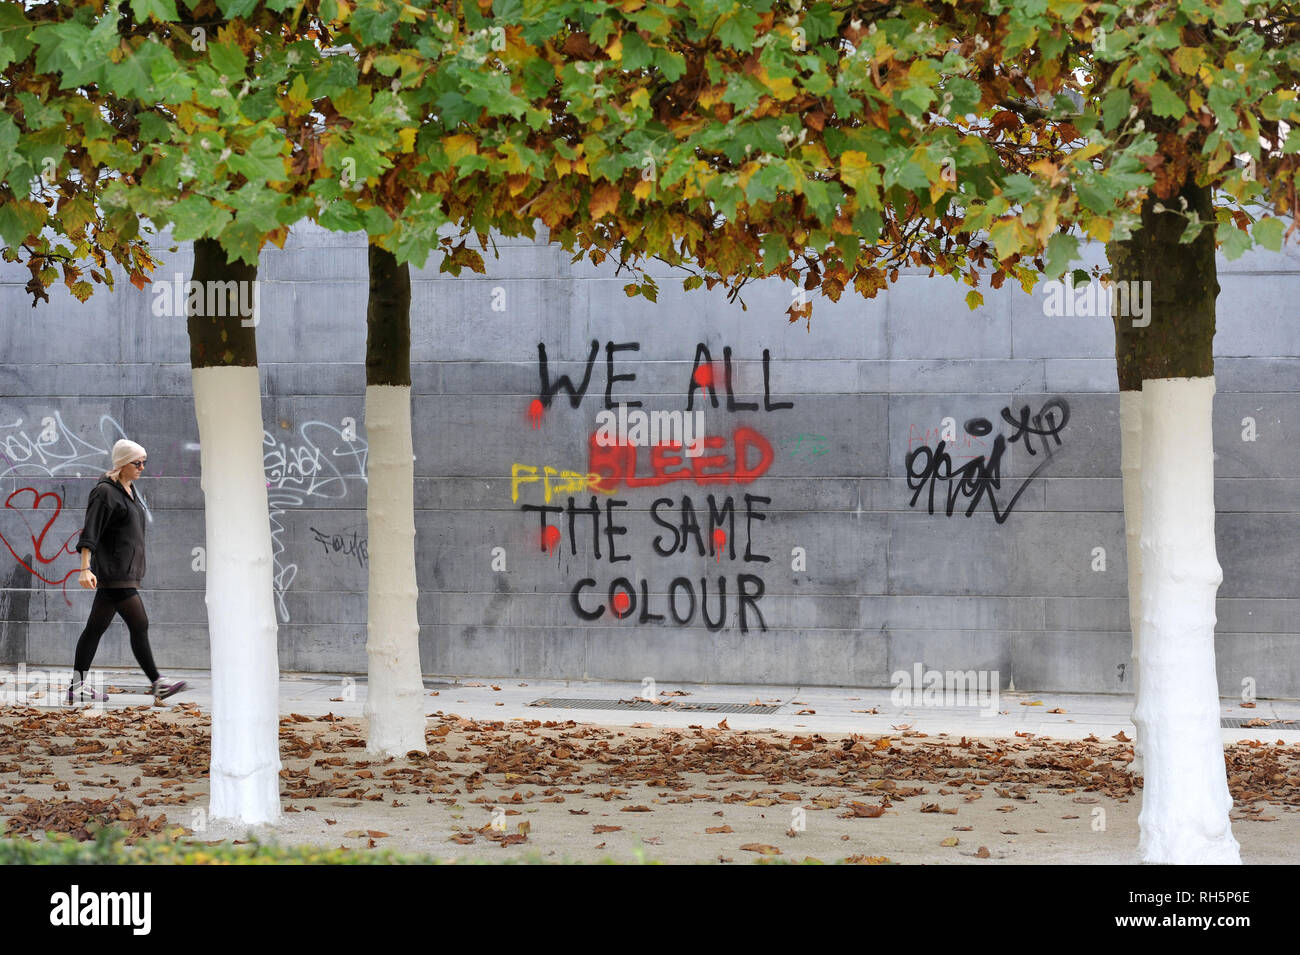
{"points": [[647, 706], [1256, 723], [361, 681]]}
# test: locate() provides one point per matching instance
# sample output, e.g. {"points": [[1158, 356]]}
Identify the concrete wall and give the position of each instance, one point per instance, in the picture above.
{"points": [[881, 584]]}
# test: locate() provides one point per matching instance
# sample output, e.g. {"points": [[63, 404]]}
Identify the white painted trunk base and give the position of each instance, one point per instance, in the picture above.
{"points": [[1185, 800], [1130, 466], [245, 768], [395, 697]]}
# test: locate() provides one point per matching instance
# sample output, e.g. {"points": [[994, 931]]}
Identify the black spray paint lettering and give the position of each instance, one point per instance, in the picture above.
{"points": [[549, 389], [623, 600], [345, 545], [982, 477]]}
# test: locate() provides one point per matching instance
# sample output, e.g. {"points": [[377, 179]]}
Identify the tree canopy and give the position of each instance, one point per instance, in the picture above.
{"points": [[831, 142]]}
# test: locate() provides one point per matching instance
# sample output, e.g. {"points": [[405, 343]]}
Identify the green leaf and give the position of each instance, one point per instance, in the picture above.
{"points": [[237, 8], [775, 251], [1164, 102], [164, 10], [637, 54], [1115, 107], [867, 224], [1062, 248], [20, 220], [260, 162], [227, 59], [197, 217], [737, 30], [1268, 233], [1232, 240], [14, 45], [974, 300], [374, 22]]}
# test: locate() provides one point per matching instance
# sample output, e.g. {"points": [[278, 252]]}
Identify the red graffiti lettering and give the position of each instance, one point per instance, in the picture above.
{"points": [[617, 463]]}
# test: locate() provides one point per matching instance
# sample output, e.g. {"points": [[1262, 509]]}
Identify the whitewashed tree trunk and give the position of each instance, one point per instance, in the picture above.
{"points": [[1130, 456], [1185, 799], [395, 695], [244, 775]]}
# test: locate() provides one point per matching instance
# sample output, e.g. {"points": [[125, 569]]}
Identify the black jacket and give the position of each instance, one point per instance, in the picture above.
{"points": [[114, 533]]}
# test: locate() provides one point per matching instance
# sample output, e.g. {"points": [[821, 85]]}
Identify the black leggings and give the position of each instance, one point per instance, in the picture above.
{"points": [[120, 600]]}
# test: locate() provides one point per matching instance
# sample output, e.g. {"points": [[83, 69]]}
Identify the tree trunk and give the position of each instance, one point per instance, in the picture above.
{"points": [[245, 768], [395, 695], [1185, 799]]}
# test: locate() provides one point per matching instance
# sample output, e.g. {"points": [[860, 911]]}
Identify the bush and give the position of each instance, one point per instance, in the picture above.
{"points": [[109, 847]]}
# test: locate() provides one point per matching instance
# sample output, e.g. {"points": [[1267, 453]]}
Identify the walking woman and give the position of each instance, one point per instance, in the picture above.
{"points": [[112, 564]]}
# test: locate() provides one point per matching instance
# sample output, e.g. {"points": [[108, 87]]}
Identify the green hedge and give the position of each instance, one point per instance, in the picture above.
{"points": [[109, 848]]}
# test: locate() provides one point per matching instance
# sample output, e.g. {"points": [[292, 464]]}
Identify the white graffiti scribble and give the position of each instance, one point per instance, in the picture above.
{"points": [[296, 474], [58, 452], [306, 473]]}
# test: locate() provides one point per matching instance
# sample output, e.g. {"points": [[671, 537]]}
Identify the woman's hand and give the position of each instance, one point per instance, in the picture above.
{"points": [[87, 579]]}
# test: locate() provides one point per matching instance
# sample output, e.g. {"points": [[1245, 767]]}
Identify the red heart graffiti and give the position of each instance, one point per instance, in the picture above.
{"points": [[38, 542]]}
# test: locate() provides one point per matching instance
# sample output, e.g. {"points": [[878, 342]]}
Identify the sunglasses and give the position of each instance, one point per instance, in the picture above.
{"points": [[139, 465]]}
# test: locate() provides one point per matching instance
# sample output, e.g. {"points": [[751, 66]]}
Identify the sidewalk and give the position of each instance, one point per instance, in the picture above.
{"points": [[744, 707]]}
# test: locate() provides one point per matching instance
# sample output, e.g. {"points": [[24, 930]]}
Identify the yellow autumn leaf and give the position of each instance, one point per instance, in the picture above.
{"points": [[857, 171], [643, 188], [1188, 59], [782, 87], [1099, 229], [407, 137], [604, 199], [615, 48], [459, 146]]}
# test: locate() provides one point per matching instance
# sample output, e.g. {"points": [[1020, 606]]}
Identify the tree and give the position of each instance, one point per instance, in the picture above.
{"points": [[985, 131], [395, 691], [141, 119], [244, 775]]}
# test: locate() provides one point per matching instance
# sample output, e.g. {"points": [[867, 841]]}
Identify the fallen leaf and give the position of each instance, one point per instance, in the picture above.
{"points": [[715, 830], [950, 842], [761, 849], [598, 829]]}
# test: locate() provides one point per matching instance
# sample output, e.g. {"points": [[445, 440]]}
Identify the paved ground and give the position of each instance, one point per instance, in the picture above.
{"points": [[825, 773], [820, 709]]}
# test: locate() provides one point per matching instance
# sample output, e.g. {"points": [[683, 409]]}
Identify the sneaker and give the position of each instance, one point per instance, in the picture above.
{"points": [[163, 690], [82, 692]]}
